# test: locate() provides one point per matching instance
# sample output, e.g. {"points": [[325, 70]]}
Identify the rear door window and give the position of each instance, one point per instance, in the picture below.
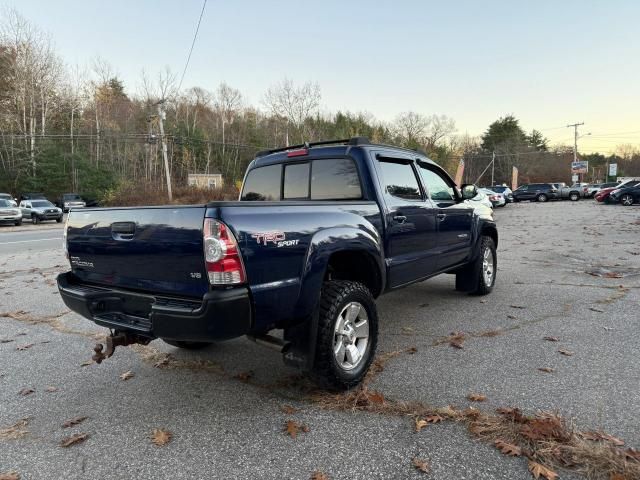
{"points": [[263, 184], [335, 179]]}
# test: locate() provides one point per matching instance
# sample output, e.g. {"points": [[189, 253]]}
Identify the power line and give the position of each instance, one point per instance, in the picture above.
{"points": [[192, 45]]}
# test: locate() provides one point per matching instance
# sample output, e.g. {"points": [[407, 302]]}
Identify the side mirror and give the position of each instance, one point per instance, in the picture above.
{"points": [[469, 191]]}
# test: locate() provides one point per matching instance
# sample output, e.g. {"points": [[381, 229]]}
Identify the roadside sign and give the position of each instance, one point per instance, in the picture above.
{"points": [[574, 178], [580, 167], [613, 169]]}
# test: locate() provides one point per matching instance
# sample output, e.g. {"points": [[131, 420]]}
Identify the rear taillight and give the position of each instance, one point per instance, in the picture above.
{"points": [[221, 253]]}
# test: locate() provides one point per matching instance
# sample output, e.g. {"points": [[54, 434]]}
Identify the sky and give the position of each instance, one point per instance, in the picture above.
{"points": [[549, 63]]}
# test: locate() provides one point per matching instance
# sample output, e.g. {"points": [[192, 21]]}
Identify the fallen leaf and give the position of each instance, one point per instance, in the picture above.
{"points": [[612, 275], [508, 448], [292, 428], [594, 309], [24, 347], [87, 363], [317, 475], [476, 397], [551, 339], [10, 476], [538, 470], [376, 397], [420, 424], [567, 353], [127, 375], [16, 430], [512, 317], [546, 369], [74, 421], [51, 389], [288, 409], [600, 435], [521, 307], [632, 454], [244, 376], [160, 436], [26, 391], [412, 350], [163, 362], [73, 439], [421, 465], [6, 340], [484, 300], [407, 329]]}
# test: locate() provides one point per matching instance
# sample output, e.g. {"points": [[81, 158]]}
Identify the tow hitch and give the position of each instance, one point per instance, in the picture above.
{"points": [[116, 339]]}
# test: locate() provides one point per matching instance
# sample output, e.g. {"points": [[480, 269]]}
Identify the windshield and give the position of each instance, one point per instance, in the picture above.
{"points": [[499, 189], [41, 203], [5, 203], [72, 197]]}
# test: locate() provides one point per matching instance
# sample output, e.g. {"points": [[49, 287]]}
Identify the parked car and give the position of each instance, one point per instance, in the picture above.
{"points": [[573, 193], [40, 210], [9, 198], [70, 200], [505, 191], [604, 193], [320, 231], [625, 195], [590, 190], [9, 213], [481, 198], [535, 192], [496, 199]]}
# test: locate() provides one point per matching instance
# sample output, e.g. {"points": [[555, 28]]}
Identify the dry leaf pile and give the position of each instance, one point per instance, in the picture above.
{"points": [[160, 436]]}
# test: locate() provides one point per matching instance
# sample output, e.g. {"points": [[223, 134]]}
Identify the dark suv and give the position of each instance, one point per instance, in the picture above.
{"points": [[535, 192]]}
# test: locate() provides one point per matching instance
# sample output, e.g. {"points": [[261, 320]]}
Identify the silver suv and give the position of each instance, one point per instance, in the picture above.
{"points": [[9, 213], [40, 210]]}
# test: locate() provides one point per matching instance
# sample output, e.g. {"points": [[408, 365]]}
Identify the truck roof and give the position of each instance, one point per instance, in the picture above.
{"points": [[330, 147]]}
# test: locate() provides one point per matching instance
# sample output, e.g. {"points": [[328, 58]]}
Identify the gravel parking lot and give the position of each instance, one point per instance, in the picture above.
{"points": [[569, 270]]}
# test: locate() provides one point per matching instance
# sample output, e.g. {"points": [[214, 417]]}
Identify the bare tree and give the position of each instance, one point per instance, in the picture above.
{"points": [[227, 103], [411, 127], [294, 104]]}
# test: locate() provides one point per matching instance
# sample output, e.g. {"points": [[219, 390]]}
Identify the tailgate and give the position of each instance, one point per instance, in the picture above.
{"points": [[154, 249]]}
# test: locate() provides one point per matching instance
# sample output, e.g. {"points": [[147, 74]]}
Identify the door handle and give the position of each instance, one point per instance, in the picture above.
{"points": [[441, 216], [400, 218]]}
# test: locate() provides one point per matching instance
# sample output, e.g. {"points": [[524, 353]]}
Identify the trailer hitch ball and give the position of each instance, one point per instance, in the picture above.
{"points": [[113, 341]]}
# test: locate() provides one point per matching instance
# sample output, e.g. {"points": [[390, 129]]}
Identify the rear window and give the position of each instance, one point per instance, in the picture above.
{"points": [[331, 179]]}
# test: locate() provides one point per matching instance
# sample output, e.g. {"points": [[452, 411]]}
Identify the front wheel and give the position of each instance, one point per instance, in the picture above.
{"points": [[574, 196], [59, 219], [347, 334], [626, 200], [479, 277], [542, 197], [187, 345], [34, 219], [18, 223]]}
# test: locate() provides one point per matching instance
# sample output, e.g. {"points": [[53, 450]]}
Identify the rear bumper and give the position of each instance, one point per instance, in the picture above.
{"points": [[219, 315]]}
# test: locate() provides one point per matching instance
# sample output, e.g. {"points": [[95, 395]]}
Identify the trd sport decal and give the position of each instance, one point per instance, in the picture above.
{"points": [[276, 237]]}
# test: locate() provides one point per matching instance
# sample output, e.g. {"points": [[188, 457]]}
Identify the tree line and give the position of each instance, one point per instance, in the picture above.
{"points": [[66, 129]]}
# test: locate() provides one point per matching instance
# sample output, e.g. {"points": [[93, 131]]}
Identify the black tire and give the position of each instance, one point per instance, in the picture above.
{"points": [[35, 220], [335, 296], [472, 279], [59, 219], [626, 199], [187, 345], [542, 198], [18, 223], [574, 196]]}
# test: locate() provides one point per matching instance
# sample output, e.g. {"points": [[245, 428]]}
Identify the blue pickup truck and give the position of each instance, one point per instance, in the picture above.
{"points": [[320, 231]]}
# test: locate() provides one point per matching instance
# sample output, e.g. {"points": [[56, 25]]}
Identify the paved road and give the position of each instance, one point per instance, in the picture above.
{"points": [[552, 280], [33, 240]]}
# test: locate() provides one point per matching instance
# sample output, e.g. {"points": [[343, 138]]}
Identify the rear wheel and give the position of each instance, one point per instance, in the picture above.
{"points": [[574, 196], [542, 197], [347, 334], [187, 345], [34, 219], [626, 200]]}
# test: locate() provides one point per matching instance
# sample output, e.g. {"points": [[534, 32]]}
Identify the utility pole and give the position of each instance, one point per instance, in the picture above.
{"points": [[493, 166], [164, 147], [575, 143]]}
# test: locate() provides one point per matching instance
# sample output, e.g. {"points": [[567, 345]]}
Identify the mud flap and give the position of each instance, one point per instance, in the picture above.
{"points": [[302, 337]]}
